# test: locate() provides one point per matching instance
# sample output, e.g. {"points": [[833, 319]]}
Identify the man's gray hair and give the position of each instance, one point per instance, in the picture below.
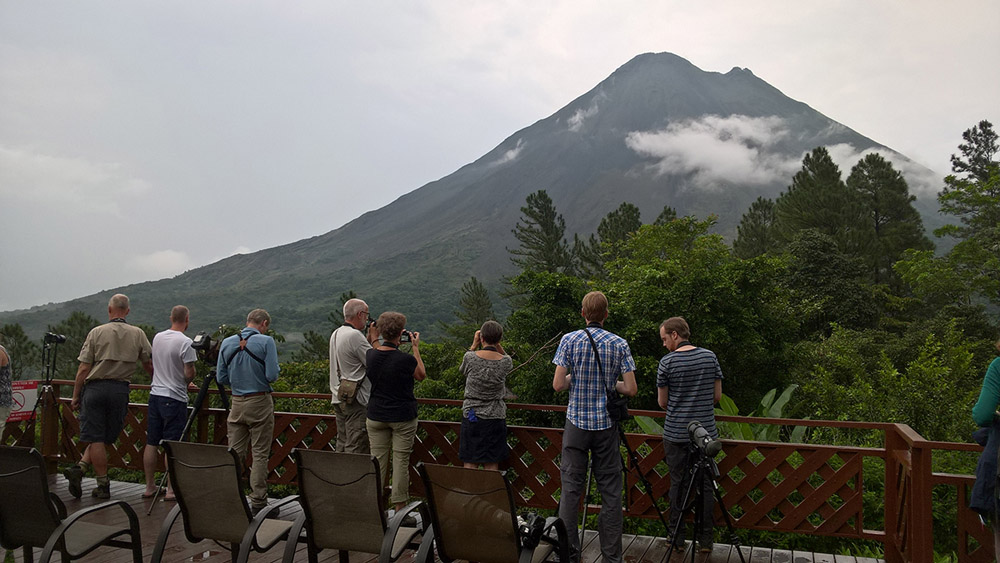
{"points": [[119, 302], [352, 307], [258, 316], [179, 314]]}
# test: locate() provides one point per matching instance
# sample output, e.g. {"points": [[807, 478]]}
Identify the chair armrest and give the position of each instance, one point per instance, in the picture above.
{"points": [[60, 507], [396, 522], [161, 539], [249, 542], [133, 522], [294, 537]]}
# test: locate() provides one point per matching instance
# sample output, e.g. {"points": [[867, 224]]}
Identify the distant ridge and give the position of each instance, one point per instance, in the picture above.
{"points": [[658, 131]]}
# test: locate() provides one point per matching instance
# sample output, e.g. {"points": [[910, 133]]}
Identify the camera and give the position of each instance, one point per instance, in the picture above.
{"points": [[405, 336], [702, 440], [370, 323], [53, 338], [208, 351]]}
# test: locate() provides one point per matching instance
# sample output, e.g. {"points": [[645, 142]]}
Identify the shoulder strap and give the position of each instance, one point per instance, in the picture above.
{"points": [[243, 348], [336, 354], [597, 354]]}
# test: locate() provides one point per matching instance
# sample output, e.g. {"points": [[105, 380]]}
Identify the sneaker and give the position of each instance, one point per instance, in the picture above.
{"points": [[102, 491], [705, 546], [74, 474], [676, 544]]}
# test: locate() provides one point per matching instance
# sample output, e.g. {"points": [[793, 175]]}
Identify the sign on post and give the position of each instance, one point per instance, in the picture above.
{"points": [[25, 396]]}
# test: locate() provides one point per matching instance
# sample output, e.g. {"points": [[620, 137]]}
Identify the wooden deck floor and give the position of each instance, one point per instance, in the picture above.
{"points": [[637, 549]]}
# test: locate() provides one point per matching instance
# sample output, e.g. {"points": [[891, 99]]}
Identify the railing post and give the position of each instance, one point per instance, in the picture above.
{"points": [[50, 427], [921, 522], [895, 449]]}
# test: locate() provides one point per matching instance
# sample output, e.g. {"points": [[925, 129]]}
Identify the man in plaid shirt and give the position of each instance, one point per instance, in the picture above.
{"points": [[589, 429]]}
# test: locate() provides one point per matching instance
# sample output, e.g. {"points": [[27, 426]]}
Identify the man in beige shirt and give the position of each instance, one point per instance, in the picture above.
{"points": [[348, 346], [101, 391]]}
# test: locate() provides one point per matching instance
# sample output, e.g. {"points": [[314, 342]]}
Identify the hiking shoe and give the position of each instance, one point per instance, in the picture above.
{"points": [[74, 475], [102, 491]]}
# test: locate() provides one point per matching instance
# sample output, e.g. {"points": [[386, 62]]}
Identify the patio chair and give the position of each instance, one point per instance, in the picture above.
{"points": [[31, 516], [207, 481], [473, 517], [343, 508]]}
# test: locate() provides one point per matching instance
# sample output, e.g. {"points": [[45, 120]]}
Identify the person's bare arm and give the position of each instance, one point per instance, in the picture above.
{"points": [[627, 386], [661, 397], [81, 375], [420, 373], [189, 372], [718, 390], [560, 380]]}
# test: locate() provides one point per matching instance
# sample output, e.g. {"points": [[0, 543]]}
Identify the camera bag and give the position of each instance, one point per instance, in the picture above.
{"points": [[348, 388], [617, 405]]}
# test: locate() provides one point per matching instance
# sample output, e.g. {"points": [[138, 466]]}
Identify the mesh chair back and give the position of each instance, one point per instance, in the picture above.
{"points": [[473, 513], [341, 495], [27, 515], [207, 482]]}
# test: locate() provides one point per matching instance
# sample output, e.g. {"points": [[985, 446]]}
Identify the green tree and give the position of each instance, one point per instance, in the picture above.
{"points": [[894, 223], [541, 232], [589, 255], [667, 215], [734, 306], [25, 355], [755, 235], [474, 308], [75, 328], [818, 199], [827, 285], [971, 193]]}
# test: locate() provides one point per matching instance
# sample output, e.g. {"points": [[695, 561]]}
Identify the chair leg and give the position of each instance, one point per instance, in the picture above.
{"points": [[29, 555], [344, 557]]}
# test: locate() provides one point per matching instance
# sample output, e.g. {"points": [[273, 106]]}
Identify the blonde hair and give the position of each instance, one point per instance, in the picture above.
{"points": [[595, 306]]}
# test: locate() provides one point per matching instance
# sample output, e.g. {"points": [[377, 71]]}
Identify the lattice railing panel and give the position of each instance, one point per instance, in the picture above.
{"points": [[793, 488]]}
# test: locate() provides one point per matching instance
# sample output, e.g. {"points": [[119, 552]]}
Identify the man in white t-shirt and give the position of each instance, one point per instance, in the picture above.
{"points": [[173, 371], [348, 346]]}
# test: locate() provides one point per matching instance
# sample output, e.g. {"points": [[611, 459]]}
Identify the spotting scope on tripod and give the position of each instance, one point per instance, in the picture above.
{"points": [[703, 475]]}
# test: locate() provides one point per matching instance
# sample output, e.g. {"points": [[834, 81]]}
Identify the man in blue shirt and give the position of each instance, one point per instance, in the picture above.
{"points": [[588, 426], [248, 363]]}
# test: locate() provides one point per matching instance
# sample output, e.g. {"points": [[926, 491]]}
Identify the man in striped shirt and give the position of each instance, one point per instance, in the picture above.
{"points": [[689, 383], [588, 378]]}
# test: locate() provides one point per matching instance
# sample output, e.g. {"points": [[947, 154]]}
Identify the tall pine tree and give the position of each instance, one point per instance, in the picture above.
{"points": [[894, 224], [541, 232]]}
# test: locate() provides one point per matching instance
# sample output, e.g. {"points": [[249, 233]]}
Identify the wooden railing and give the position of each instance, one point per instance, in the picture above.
{"points": [[774, 486]]}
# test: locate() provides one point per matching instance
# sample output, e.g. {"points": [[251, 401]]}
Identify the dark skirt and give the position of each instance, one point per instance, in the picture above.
{"points": [[483, 441]]}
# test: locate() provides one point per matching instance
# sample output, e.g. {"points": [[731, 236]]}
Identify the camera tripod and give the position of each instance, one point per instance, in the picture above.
{"points": [[704, 468], [199, 400], [46, 392]]}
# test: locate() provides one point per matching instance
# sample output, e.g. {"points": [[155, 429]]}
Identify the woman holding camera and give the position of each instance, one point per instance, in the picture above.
{"points": [[483, 438], [392, 408]]}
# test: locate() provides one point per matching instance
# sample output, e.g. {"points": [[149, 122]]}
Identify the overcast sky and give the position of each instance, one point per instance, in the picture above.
{"points": [[142, 139]]}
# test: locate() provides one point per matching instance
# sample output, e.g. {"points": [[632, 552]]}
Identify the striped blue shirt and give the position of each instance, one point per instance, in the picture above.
{"points": [[588, 394], [689, 377]]}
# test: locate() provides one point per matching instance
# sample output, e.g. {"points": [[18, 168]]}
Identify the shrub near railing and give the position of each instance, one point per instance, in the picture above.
{"points": [[813, 489]]}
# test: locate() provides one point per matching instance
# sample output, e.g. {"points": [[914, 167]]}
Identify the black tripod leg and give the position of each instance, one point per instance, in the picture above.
{"points": [[634, 460], [734, 539], [686, 504]]}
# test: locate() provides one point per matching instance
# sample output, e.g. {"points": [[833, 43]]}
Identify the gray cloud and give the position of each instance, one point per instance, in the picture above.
{"points": [[716, 150]]}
